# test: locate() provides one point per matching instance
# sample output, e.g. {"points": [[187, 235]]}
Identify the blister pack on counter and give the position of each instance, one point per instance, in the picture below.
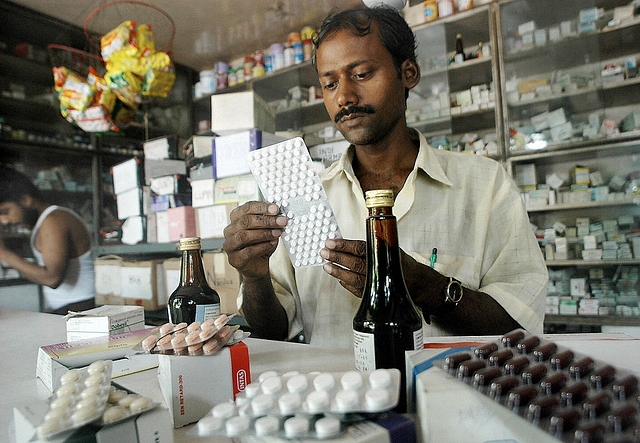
{"points": [[320, 392], [286, 177], [572, 397], [224, 421], [197, 338], [123, 404], [80, 399]]}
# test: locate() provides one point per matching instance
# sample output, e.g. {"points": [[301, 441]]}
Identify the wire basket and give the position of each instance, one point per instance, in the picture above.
{"points": [[75, 59], [107, 16]]}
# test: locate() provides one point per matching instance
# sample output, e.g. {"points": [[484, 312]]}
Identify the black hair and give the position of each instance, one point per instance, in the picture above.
{"points": [[14, 185], [394, 32]]}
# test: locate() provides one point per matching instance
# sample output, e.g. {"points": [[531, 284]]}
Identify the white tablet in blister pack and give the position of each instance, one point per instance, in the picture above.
{"points": [[286, 176]]}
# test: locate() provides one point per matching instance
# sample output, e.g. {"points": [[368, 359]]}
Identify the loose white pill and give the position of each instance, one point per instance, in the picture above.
{"points": [[296, 427], [223, 410], [209, 424], [380, 378], [327, 427], [237, 425], [266, 425]]}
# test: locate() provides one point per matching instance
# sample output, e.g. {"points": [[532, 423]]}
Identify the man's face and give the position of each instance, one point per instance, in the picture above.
{"points": [[17, 214], [363, 93]]}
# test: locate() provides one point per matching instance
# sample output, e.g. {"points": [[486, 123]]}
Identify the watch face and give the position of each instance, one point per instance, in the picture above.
{"points": [[454, 291]]}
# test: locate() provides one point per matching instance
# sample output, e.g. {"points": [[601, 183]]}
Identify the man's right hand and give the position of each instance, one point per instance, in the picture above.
{"points": [[252, 236]]}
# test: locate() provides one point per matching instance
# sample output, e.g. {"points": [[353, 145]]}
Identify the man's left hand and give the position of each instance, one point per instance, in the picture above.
{"points": [[347, 262]]}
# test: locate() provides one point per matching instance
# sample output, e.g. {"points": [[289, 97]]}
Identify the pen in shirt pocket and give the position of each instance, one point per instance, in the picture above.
{"points": [[434, 257]]}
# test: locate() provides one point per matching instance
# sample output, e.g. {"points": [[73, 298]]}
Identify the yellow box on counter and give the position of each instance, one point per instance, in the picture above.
{"points": [[192, 385], [104, 320]]}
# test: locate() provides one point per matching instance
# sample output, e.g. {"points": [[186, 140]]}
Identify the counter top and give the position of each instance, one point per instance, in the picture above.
{"points": [[24, 332]]}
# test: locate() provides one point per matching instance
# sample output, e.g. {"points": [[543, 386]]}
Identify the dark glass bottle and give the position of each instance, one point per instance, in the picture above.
{"points": [[193, 299], [387, 322], [459, 56]]}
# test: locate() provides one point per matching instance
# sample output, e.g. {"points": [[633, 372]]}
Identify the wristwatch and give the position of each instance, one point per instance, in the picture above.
{"points": [[453, 292]]}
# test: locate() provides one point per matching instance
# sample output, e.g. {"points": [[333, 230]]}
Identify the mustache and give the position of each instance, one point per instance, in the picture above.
{"points": [[366, 109]]}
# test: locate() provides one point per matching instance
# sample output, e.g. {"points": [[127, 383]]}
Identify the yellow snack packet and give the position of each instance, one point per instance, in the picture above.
{"points": [[118, 38], [145, 40], [126, 86]]}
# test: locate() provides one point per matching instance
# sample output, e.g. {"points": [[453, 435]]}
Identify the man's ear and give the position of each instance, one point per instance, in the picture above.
{"points": [[410, 73], [26, 201]]}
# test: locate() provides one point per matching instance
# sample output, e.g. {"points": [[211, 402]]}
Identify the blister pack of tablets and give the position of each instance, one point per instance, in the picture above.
{"points": [[197, 338], [571, 396], [80, 399], [300, 426], [320, 392], [315, 405], [123, 404], [286, 177]]}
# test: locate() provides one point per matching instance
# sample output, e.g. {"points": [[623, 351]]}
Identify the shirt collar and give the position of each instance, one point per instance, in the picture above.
{"points": [[427, 161]]}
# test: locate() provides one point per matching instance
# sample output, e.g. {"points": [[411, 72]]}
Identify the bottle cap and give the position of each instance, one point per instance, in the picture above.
{"points": [[190, 243], [378, 198]]}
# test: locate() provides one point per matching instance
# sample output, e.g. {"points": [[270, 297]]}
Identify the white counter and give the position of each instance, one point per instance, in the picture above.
{"points": [[25, 332]]}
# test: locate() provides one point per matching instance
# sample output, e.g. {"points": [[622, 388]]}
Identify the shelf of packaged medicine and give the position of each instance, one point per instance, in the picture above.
{"points": [[585, 205], [591, 320], [583, 91], [530, 51], [623, 144], [592, 263], [208, 244]]}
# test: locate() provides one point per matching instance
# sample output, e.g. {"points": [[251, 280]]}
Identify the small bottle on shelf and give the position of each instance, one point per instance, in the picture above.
{"points": [[459, 56], [387, 322], [193, 299]]}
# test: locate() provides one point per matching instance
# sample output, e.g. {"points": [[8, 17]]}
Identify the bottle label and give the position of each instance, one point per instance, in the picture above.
{"points": [[364, 350], [418, 339], [206, 312]]}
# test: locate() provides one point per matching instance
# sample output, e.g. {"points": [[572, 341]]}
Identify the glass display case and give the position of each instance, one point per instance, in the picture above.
{"points": [[570, 72], [454, 105]]}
